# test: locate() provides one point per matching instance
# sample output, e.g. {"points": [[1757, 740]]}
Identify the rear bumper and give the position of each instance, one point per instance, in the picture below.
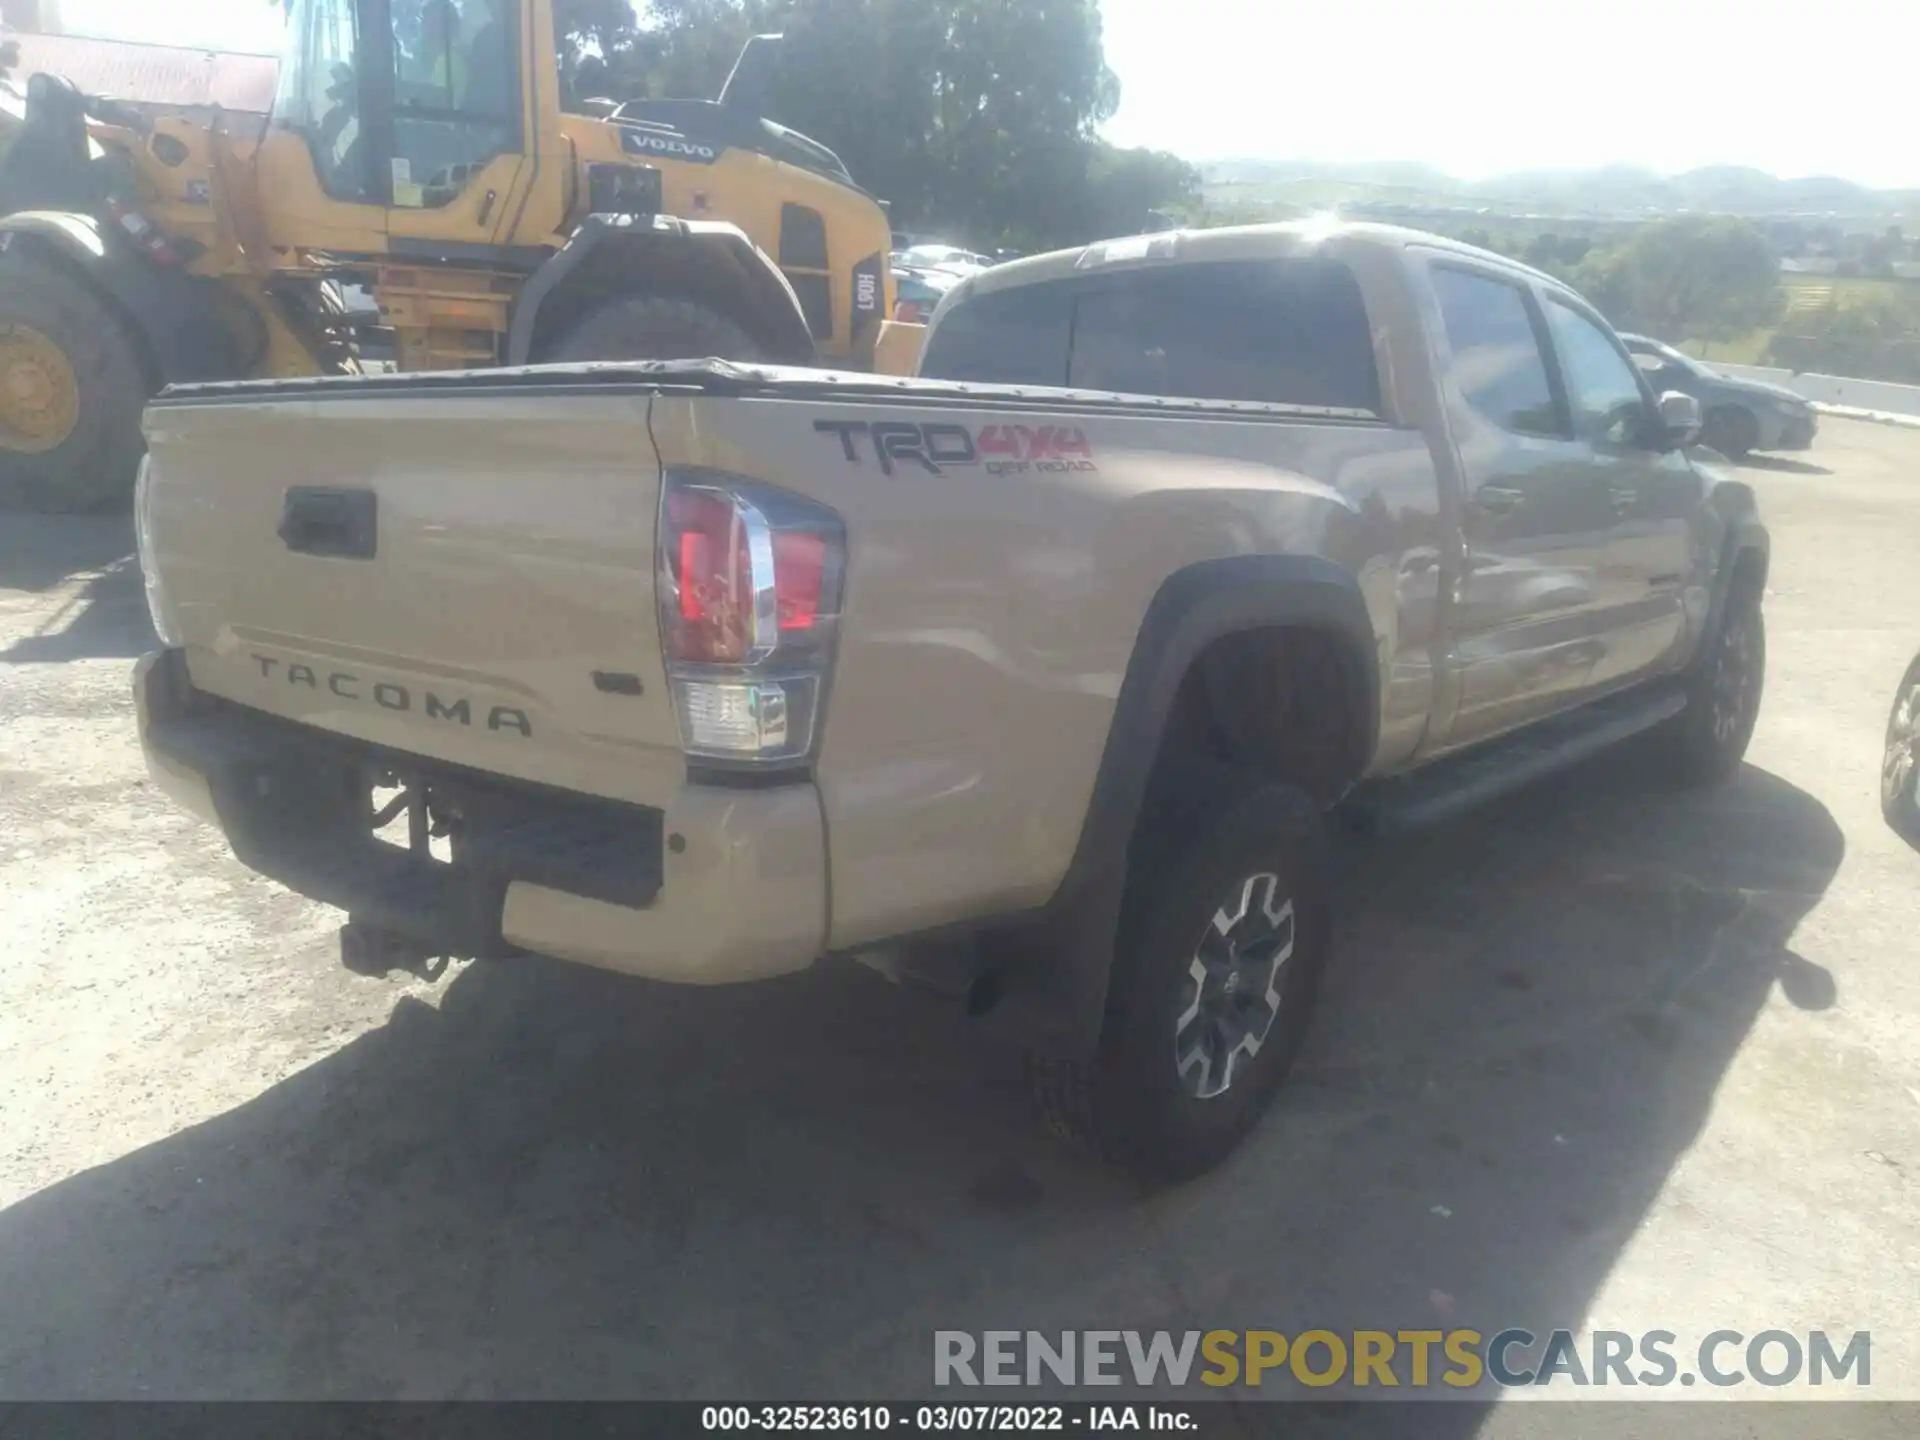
{"points": [[719, 886]]}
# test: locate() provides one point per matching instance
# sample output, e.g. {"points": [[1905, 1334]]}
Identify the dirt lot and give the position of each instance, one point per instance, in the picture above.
{"points": [[1599, 1056]]}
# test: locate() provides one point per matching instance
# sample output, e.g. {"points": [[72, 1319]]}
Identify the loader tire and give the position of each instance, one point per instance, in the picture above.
{"points": [[71, 391], [650, 327]]}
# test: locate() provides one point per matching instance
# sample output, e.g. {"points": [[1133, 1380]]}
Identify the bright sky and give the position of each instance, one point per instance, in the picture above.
{"points": [[1475, 87]]}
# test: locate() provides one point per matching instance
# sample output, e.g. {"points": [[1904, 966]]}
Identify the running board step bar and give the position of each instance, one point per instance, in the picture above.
{"points": [[1453, 786]]}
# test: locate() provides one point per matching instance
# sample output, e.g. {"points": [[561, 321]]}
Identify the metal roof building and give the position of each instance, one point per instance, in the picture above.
{"points": [[160, 77]]}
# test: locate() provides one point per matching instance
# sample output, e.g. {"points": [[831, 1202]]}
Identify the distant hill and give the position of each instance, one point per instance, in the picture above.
{"points": [[1609, 190]]}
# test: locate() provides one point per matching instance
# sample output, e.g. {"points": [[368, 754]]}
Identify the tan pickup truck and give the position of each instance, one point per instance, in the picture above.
{"points": [[1035, 680]]}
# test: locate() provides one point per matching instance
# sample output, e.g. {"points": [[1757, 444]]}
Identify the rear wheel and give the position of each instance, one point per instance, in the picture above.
{"points": [[71, 392], [1222, 943], [646, 327], [1732, 431]]}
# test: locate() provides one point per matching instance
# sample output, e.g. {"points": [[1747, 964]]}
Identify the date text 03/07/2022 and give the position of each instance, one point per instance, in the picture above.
{"points": [[941, 1419]]}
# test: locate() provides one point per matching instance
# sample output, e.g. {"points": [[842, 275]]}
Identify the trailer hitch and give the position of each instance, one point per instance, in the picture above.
{"points": [[375, 952]]}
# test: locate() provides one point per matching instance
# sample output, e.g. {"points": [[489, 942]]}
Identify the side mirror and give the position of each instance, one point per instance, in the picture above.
{"points": [[1680, 420]]}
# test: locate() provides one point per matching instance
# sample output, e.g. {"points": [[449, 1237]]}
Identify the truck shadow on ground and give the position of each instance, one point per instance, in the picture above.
{"points": [[564, 1184], [105, 617], [1785, 465]]}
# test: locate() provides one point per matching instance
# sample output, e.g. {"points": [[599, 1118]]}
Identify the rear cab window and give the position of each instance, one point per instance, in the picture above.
{"points": [[1017, 336], [1289, 331]]}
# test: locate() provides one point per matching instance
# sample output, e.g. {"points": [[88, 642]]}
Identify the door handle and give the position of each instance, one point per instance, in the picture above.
{"points": [[1498, 499]]}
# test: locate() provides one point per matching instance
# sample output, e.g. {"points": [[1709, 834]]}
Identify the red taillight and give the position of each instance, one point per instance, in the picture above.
{"points": [[750, 590], [696, 573], [714, 574], [910, 312], [799, 567]]}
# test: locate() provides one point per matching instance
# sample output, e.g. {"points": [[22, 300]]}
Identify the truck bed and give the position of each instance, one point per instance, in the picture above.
{"points": [[495, 608]]}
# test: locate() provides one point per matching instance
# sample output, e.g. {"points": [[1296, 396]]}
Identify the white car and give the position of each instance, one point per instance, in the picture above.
{"points": [[942, 257]]}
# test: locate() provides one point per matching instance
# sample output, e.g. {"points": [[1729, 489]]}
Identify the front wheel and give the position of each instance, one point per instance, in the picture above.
{"points": [[71, 391], [1706, 742], [1732, 431], [1223, 939], [1900, 761]]}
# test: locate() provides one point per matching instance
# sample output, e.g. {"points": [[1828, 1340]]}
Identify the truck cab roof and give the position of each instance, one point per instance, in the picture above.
{"points": [[1235, 242]]}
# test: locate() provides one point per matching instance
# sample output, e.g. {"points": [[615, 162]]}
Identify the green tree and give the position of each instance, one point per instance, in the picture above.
{"points": [[971, 115], [1694, 277], [1543, 251], [974, 117], [1123, 186], [597, 42], [1877, 338]]}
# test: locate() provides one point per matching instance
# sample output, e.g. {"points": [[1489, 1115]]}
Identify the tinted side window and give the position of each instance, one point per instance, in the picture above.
{"points": [[1004, 337], [1496, 355], [1605, 396], [1292, 331]]}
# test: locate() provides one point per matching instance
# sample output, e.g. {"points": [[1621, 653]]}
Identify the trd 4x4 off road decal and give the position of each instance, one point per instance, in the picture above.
{"points": [[1002, 449]]}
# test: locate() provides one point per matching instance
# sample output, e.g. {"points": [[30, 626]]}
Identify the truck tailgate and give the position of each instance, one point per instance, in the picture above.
{"points": [[462, 575]]}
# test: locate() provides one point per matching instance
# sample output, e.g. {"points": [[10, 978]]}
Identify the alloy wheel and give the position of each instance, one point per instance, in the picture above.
{"points": [[1736, 681], [1234, 983], [1903, 741]]}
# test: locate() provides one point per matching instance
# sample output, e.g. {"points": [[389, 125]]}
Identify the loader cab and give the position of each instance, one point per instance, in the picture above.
{"points": [[420, 120], [415, 133]]}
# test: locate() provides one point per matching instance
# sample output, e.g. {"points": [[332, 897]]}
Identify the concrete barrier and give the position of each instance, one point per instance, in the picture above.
{"points": [[1859, 394], [1879, 396], [1755, 372]]}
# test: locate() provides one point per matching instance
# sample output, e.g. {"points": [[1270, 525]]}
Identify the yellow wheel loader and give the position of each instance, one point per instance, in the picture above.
{"points": [[416, 160]]}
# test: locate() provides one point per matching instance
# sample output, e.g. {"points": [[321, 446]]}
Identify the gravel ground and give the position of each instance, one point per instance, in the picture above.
{"points": [[1599, 1056]]}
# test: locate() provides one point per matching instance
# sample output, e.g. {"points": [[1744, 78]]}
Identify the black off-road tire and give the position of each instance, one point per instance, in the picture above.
{"points": [[1900, 760], [651, 327], [94, 467], [1732, 431], [1128, 1105], [1705, 743]]}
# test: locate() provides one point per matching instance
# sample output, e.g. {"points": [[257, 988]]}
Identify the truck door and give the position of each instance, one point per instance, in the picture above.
{"points": [[1535, 524], [1651, 493]]}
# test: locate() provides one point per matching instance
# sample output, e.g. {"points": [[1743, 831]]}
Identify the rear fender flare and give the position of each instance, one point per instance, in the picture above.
{"points": [[711, 262], [178, 333], [1055, 994]]}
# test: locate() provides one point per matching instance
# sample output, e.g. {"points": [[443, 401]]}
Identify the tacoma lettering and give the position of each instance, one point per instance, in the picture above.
{"points": [[398, 698]]}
